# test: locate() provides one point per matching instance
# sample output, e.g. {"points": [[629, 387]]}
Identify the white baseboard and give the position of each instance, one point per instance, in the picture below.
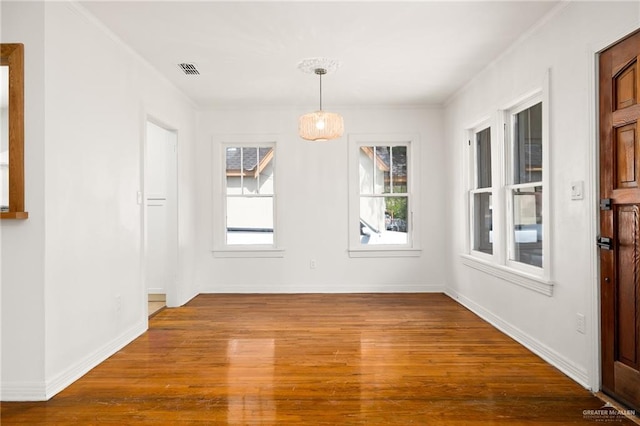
{"points": [[43, 391], [23, 391], [322, 288], [565, 365], [73, 373]]}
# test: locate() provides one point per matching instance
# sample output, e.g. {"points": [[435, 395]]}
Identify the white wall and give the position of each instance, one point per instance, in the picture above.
{"points": [[312, 179], [22, 345], [72, 279], [564, 44]]}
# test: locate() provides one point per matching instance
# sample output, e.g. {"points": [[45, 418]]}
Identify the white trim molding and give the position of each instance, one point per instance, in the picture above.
{"points": [[323, 288], [412, 247], [575, 372], [532, 282], [23, 391], [43, 391], [64, 379]]}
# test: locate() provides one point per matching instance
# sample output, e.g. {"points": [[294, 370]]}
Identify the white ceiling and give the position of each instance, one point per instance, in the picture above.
{"points": [[391, 53]]}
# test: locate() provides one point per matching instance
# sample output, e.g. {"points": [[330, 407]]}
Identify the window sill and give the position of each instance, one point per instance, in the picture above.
{"points": [[380, 252], [14, 215], [242, 252], [532, 282]]}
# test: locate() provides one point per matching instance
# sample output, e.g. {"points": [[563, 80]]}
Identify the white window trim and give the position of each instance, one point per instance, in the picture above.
{"points": [[412, 248], [220, 248], [532, 282], [498, 265], [539, 96], [472, 185]]}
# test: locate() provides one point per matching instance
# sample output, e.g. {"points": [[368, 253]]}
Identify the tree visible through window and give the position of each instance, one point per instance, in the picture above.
{"points": [[508, 204], [384, 195]]}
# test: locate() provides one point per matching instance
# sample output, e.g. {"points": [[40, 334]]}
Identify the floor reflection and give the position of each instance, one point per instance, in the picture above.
{"points": [[250, 380]]}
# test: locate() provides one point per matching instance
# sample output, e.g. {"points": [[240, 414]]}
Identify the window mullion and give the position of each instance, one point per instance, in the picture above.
{"points": [[391, 170], [257, 170], [242, 170]]}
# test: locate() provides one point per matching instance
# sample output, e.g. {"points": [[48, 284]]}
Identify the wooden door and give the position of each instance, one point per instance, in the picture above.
{"points": [[620, 220]]}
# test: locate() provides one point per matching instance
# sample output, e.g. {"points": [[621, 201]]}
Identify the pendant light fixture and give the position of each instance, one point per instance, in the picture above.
{"points": [[320, 125]]}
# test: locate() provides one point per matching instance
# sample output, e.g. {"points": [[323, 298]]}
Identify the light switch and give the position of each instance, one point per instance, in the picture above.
{"points": [[577, 190]]}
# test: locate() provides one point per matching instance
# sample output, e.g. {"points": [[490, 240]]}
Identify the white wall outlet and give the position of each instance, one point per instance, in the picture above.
{"points": [[118, 303], [577, 190], [313, 264], [581, 324]]}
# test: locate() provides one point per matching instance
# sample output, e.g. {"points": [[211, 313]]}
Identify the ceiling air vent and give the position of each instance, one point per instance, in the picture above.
{"points": [[189, 69]]}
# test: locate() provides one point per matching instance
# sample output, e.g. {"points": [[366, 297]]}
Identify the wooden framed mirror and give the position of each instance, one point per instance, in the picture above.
{"points": [[12, 131]]}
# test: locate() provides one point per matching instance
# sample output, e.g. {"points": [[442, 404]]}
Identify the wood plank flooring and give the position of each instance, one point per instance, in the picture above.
{"points": [[318, 359]]}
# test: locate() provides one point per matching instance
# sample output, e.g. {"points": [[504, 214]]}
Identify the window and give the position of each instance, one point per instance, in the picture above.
{"points": [[508, 205], [381, 205], [249, 195], [384, 201], [481, 194], [525, 187]]}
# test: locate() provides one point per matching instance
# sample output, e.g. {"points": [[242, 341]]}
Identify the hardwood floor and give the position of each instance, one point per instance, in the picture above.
{"points": [[156, 303], [155, 307], [318, 359]]}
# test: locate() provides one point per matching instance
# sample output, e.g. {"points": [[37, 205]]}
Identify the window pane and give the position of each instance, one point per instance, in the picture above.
{"points": [[249, 220], [399, 169], [366, 168], [249, 170], [265, 171], [527, 220], [383, 220], [249, 178], [4, 141], [233, 178], [527, 146], [382, 170], [483, 222], [483, 158]]}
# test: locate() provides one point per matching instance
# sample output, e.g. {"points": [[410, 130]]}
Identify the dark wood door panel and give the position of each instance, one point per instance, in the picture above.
{"points": [[625, 86], [627, 384], [628, 315], [627, 156], [619, 104], [625, 116]]}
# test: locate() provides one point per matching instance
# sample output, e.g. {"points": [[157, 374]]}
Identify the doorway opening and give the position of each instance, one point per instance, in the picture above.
{"points": [[161, 224]]}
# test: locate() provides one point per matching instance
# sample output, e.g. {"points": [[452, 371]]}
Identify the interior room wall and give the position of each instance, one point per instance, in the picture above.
{"points": [[22, 262], [72, 278], [564, 44], [312, 179], [75, 294]]}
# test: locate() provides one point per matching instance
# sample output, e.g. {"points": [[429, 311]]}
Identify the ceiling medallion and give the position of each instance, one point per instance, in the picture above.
{"points": [[310, 65]]}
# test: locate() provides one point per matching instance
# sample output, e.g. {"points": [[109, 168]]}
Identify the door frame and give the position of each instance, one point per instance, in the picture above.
{"points": [[172, 286], [593, 323]]}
